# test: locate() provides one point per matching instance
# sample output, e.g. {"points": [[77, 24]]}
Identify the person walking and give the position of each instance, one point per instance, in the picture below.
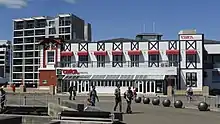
{"points": [[189, 93], [2, 97], [93, 96], [128, 95], [70, 90], [118, 98], [74, 93]]}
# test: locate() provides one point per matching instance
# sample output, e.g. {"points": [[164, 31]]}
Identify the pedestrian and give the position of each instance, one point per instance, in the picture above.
{"points": [[13, 88], [118, 98], [2, 97], [74, 93], [189, 93], [93, 96], [70, 90], [128, 95], [135, 92]]}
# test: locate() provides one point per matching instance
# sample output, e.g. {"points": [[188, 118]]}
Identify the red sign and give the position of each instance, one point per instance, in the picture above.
{"points": [[70, 71], [187, 37]]}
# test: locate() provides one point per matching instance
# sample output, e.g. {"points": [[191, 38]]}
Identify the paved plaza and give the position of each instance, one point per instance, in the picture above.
{"points": [[142, 113]]}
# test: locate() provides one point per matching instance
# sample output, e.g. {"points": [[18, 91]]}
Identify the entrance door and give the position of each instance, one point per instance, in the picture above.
{"points": [[83, 86], [150, 86]]}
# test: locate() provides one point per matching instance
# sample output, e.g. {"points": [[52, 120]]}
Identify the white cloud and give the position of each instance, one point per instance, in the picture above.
{"points": [[70, 1], [14, 3], [23, 3]]}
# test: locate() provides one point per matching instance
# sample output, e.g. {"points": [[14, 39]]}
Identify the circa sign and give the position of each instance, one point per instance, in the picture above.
{"points": [[190, 37], [70, 71]]}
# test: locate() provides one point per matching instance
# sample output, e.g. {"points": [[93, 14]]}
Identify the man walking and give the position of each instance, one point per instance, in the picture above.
{"points": [[2, 97], [74, 93], [93, 96], [128, 95], [118, 98], [70, 90]]}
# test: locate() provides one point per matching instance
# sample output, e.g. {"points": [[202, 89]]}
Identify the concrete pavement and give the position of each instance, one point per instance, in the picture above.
{"points": [[142, 113]]}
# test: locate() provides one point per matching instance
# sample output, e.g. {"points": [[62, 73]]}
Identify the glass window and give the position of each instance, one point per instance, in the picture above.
{"points": [[100, 61], [153, 57], [50, 56], [173, 60], [191, 58], [191, 79], [134, 60]]}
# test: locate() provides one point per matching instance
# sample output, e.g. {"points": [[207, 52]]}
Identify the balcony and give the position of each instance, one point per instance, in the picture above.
{"points": [[112, 64]]}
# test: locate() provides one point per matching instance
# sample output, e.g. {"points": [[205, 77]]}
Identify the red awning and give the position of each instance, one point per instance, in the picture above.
{"points": [[83, 53], [153, 52], [66, 53], [134, 52], [119, 52], [191, 52], [172, 52], [100, 53]]}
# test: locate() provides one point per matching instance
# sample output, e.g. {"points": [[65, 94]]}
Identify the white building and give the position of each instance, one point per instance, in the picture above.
{"points": [[147, 63], [5, 55], [27, 32]]}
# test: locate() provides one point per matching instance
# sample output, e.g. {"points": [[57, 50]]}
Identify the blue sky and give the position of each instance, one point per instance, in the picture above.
{"points": [[122, 18]]}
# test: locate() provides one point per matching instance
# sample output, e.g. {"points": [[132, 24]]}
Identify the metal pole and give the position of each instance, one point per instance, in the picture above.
{"points": [[24, 102], [58, 100]]}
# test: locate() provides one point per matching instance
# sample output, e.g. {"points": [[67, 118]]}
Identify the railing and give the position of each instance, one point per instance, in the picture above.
{"points": [[110, 64]]}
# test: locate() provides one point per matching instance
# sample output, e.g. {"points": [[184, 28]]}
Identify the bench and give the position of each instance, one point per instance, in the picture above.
{"points": [[74, 105], [95, 115]]}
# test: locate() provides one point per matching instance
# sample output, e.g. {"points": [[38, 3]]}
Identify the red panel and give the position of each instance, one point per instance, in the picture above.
{"points": [[134, 52], [153, 52], [191, 52], [100, 53], [172, 52], [83, 53], [119, 52], [65, 53]]}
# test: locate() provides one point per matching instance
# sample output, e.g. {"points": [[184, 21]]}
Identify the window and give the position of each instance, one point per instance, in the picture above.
{"points": [[50, 56], [215, 77], [173, 60], [134, 60], [191, 79], [100, 61], [65, 61], [117, 61], [191, 58], [83, 61], [52, 31], [153, 60]]}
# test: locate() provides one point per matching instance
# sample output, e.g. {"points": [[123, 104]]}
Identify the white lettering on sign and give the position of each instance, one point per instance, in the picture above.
{"points": [[190, 37]]}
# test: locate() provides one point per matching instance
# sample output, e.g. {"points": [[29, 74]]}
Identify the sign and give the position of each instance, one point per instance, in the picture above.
{"points": [[70, 71], [190, 37]]}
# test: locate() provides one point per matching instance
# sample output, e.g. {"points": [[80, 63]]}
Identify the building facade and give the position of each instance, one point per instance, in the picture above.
{"points": [[5, 60], [147, 63], [27, 33]]}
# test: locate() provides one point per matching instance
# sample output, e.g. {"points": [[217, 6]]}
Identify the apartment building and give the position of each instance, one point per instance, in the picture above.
{"points": [[5, 60], [28, 32]]}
